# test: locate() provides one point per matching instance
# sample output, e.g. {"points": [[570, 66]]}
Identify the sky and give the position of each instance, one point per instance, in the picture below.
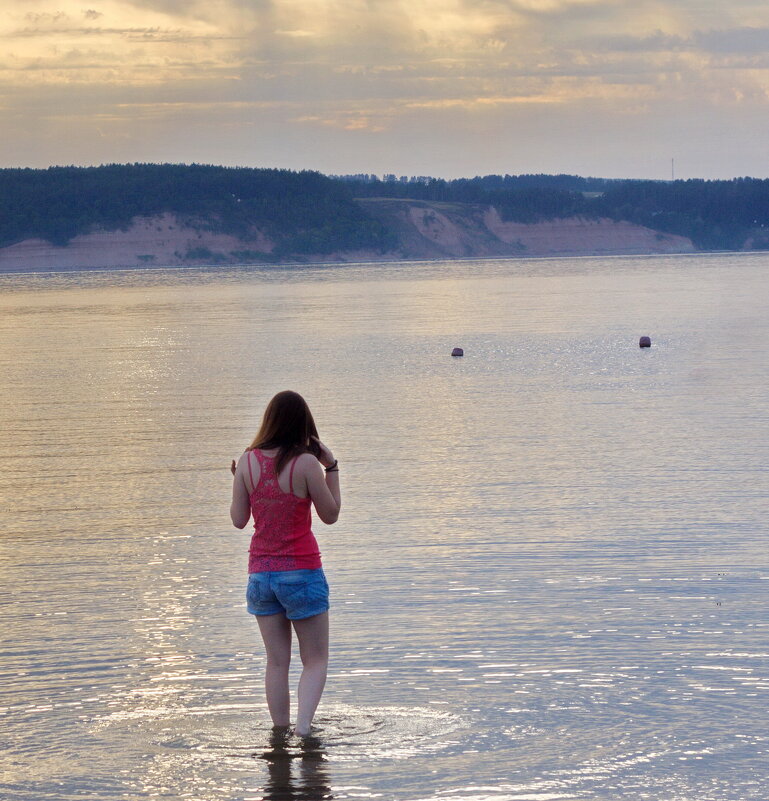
{"points": [[449, 88]]}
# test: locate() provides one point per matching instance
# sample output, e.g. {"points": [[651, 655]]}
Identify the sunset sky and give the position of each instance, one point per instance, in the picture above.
{"points": [[613, 88]]}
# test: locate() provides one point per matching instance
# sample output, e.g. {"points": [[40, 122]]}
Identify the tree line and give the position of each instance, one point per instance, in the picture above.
{"points": [[303, 212], [309, 213], [715, 215]]}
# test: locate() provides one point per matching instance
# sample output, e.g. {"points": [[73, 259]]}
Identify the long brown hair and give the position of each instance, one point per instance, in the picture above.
{"points": [[288, 426]]}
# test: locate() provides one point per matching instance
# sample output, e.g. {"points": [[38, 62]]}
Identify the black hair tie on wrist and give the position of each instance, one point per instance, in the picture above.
{"points": [[332, 468]]}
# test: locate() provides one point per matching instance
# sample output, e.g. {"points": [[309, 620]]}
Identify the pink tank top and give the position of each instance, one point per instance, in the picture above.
{"points": [[282, 538]]}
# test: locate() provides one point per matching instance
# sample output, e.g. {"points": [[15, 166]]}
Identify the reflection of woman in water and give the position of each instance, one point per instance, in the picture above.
{"points": [[310, 782], [276, 480]]}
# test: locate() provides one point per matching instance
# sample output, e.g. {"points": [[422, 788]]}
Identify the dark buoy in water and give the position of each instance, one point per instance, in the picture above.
{"points": [[644, 342], [457, 352]]}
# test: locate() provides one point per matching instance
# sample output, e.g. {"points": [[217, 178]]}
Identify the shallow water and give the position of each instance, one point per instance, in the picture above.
{"points": [[549, 579]]}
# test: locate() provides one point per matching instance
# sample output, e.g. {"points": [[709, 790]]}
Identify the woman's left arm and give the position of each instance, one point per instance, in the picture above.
{"points": [[240, 508]]}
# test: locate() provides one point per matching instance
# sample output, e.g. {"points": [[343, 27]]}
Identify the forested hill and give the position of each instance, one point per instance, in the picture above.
{"points": [[309, 213], [715, 215], [303, 212]]}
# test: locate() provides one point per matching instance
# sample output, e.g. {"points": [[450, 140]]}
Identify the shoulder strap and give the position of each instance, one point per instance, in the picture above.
{"points": [[251, 475], [291, 475]]}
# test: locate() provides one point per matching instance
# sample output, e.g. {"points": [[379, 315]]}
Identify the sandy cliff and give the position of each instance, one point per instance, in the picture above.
{"points": [[423, 231], [454, 230], [162, 241]]}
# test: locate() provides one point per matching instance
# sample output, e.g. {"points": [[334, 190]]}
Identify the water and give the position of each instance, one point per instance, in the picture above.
{"points": [[549, 578]]}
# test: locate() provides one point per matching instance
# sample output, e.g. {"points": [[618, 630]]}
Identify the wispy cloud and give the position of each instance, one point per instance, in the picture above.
{"points": [[368, 68]]}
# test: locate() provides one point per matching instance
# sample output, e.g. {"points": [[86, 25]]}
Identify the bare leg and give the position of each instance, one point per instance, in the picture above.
{"points": [[276, 633], [313, 649]]}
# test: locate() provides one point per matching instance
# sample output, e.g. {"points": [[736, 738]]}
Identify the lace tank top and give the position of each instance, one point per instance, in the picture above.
{"points": [[282, 538]]}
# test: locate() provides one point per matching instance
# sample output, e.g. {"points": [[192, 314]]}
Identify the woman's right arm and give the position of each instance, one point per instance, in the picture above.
{"points": [[323, 489]]}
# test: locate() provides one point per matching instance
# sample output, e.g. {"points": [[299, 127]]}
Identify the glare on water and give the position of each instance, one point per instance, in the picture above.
{"points": [[548, 581]]}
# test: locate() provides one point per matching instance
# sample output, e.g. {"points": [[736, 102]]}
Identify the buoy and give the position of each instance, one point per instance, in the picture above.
{"points": [[644, 342], [457, 352]]}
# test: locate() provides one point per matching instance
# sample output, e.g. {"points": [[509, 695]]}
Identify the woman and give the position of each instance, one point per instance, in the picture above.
{"points": [[284, 470]]}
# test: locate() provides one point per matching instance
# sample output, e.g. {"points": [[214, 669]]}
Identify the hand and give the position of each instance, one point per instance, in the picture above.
{"points": [[233, 467], [326, 458]]}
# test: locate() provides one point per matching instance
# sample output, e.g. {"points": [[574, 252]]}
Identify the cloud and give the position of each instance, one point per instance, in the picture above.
{"points": [[654, 43], [739, 41], [424, 51], [344, 122], [45, 17], [370, 67], [743, 41]]}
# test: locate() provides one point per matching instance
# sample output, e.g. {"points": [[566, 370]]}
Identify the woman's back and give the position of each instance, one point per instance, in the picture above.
{"points": [[283, 538]]}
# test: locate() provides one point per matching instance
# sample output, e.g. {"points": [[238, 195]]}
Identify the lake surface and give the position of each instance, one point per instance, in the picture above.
{"points": [[549, 579]]}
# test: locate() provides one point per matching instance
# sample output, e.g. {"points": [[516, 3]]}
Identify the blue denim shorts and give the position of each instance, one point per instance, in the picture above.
{"points": [[295, 593]]}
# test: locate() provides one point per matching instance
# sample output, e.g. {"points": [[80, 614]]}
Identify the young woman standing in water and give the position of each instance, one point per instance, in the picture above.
{"points": [[285, 470]]}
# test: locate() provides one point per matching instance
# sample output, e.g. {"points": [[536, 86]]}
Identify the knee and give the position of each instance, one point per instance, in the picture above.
{"points": [[278, 661]]}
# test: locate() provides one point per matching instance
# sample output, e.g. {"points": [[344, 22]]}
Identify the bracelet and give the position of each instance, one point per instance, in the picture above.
{"points": [[333, 468]]}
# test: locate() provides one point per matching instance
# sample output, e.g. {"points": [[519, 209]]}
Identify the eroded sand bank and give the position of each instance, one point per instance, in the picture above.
{"points": [[423, 230]]}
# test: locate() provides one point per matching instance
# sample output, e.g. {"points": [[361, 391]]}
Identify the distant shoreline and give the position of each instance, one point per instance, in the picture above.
{"points": [[127, 216], [422, 232], [282, 266]]}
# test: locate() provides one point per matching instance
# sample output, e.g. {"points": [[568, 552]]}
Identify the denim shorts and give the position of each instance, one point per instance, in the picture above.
{"points": [[295, 593]]}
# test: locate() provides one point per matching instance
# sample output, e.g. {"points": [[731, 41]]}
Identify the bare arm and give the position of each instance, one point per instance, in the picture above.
{"points": [[323, 487], [240, 508]]}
